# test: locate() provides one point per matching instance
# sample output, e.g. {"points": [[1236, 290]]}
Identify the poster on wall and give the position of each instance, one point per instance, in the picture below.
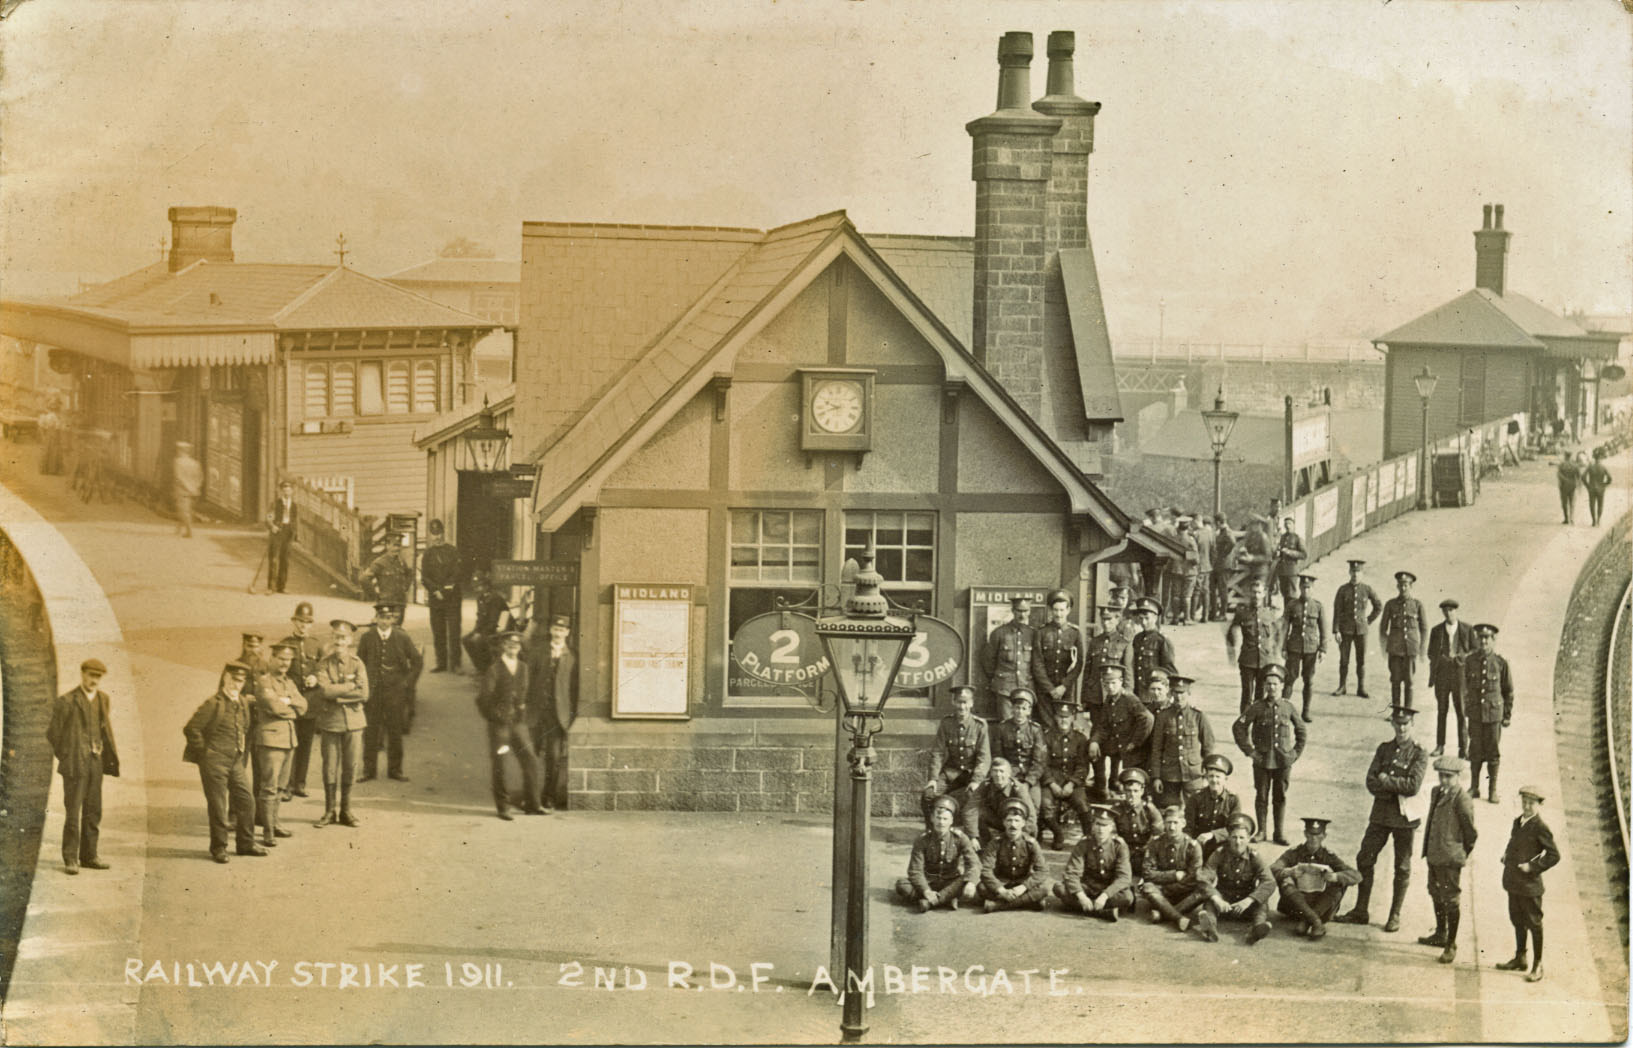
{"points": [[651, 653], [1374, 482], [1301, 519], [1358, 504], [1410, 488], [990, 608], [1326, 512]]}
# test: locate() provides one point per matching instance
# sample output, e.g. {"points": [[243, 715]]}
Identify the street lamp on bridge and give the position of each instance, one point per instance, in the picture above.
{"points": [[1425, 382], [1220, 423]]}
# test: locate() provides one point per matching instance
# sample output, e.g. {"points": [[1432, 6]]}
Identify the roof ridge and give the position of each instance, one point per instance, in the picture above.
{"points": [[828, 219], [1486, 295], [306, 295], [629, 228]]}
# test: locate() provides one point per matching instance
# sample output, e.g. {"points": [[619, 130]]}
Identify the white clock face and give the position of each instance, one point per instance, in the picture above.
{"points": [[837, 406]]}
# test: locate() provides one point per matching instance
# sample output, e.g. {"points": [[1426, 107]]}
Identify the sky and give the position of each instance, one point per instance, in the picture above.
{"points": [[1263, 171]]}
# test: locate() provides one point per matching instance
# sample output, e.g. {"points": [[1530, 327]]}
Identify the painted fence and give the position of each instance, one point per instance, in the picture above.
{"points": [[330, 535]]}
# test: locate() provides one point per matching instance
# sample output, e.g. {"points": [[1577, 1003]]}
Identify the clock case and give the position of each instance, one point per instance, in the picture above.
{"points": [[812, 436]]}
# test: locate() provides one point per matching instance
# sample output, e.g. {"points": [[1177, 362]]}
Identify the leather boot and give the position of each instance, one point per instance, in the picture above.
{"points": [[1363, 896], [1491, 792], [1518, 963], [1474, 778], [328, 818], [346, 816], [1260, 810], [1398, 898], [1438, 936], [1281, 820], [1207, 923], [1449, 954], [1161, 908]]}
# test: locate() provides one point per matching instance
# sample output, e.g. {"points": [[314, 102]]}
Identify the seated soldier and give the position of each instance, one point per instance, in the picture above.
{"points": [[1312, 879], [1172, 863], [1138, 820], [984, 818], [1020, 742], [1209, 810], [1065, 775], [1122, 735], [1098, 879], [1012, 870], [1235, 883], [959, 757], [1272, 735], [944, 867]]}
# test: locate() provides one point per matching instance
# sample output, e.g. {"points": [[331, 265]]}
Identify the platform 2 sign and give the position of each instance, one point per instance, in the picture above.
{"points": [[782, 648]]}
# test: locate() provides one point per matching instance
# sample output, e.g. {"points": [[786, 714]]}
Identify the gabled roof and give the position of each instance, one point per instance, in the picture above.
{"points": [[1484, 318], [346, 298], [462, 271], [705, 338], [452, 423]]}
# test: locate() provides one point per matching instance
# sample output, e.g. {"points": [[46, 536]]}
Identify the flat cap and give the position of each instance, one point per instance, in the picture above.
{"points": [[1532, 792], [561, 620], [93, 666], [1450, 602], [1447, 762]]}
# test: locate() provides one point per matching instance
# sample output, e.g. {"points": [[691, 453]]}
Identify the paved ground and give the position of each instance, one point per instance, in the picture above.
{"points": [[536, 906]]}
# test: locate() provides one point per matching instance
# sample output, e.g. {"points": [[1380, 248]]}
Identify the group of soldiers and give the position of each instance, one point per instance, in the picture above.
{"points": [[1148, 787]]}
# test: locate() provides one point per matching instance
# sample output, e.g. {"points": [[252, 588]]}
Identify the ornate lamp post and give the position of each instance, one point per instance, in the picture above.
{"points": [[486, 441], [1219, 422], [864, 646], [1425, 382]]}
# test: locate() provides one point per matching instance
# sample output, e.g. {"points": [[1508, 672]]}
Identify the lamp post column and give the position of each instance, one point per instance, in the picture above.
{"points": [[853, 1024], [1218, 492], [1423, 463]]}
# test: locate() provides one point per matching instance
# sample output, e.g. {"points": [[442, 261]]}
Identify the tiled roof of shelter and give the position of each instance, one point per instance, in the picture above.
{"points": [[463, 271], [349, 299], [1481, 317], [941, 272]]}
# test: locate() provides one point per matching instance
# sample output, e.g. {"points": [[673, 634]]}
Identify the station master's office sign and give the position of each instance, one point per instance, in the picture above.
{"points": [[651, 654]]}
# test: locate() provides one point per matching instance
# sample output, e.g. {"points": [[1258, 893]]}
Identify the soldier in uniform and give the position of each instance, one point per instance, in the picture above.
{"points": [[1209, 811], [1448, 841], [1402, 628], [441, 572], [394, 665], [1256, 632], [1488, 694], [1021, 743], [960, 756], [1312, 879], [1012, 869], [1172, 863], [1182, 581], [1181, 740], [278, 705], [343, 684], [1058, 659], [1007, 658], [984, 816], [308, 651], [1065, 777], [1099, 879], [389, 578], [1395, 774], [1155, 699], [944, 868], [1110, 646], [218, 735], [1235, 883], [1531, 852], [1224, 542], [1137, 818], [1304, 625], [1122, 733], [1450, 642], [1354, 608], [502, 701], [1273, 737], [1151, 649], [1290, 553]]}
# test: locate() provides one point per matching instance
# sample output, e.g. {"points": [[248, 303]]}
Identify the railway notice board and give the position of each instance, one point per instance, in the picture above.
{"points": [[651, 654]]}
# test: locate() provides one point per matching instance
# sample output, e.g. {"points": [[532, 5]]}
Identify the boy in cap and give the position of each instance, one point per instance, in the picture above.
{"points": [[1099, 878], [1394, 778], [1121, 734], [1312, 879], [1235, 883], [1448, 840], [1354, 609], [944, 867], [1253, 640], [1488, 695], [1066, 772], [1058, 659], [1007, 658], [1138, 820], [1181, 740], [1209, 811], [1304, 628], [1402, 628], [1531, 852], [1450, 643], [343, 683], [308, 652], [502, 700], [984, 812], [1012, 869], [218, 737], [278, 704], [961, 755], [81, 738], [1171, 866], [1272, 735]]}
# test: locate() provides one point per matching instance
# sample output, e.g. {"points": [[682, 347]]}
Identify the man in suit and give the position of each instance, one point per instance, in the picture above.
{"points": [[441, 572], [1531, 852], [280, 523], [1448, 841], [218, 733], [1058, 659], [491, 608], [343, 683], [959, 758], [1354, 609], [308, 652], [1304, 625], [278, 705], [394, 663], [81, 737], [553, 706], [502, 701], [1007, 658], [1290, 554], [1402, 629], [1395, 775], [1450, 642], [1488, 691]]}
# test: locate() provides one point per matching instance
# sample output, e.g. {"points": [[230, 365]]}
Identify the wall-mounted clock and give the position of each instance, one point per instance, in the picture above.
{"points": [[837, 409]]}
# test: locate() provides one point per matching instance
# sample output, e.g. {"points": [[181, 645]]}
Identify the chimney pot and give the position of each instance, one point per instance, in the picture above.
{"points": [[1486, 222], [1497, 214], [1062, 44], [1014, 70]]}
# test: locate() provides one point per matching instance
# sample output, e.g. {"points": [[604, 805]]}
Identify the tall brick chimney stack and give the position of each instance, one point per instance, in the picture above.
{"points": [[1491, 251], [1066, 223], [1011, 158], [200, 232]]}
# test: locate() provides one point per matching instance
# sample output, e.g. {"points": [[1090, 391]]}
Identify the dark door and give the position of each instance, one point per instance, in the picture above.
{"points": [[484, 521]]}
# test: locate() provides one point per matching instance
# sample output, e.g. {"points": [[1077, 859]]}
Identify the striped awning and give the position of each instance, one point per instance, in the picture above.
{"points": [[201, 349]]}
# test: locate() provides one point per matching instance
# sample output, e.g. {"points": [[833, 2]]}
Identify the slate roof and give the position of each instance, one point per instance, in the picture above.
{"points": [[462, 271], [1484, 318], [346, 298], [500, 401]]}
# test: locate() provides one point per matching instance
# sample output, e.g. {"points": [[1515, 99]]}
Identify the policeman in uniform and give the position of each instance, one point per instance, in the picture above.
{"points": [[1235, 883], [1448, 841], [1058, 659], [1255, 630], [1394, 776], [961, 754], [1450, 643], [1021, 743], [1488, 695], [1403, 628], [1138, 820], [1304, 623], [1209, 811], [1099, 878], [1273, 737], [944, 868], [1065, 776], [1151, 649], [1172, 864], [1122, 733], [1012, 868], [1312, 879], [1110, 647], [1181, 740], [1290, 553], [1354, 609], [1007, 659], [441, 572]]}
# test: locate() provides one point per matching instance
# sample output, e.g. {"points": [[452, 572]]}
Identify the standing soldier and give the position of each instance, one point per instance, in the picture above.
{"points": [[278, 706], [218, 741], [1012, 869], [1152, 650], [1488, 691], [1235, 883], [1450, 643], [1122, 734], [1403, 628], [1273, 737], [389, 578], [1181, 740], [1209, 811], [1290, 553], [1312, 879], [1531, 852], [1596, 478], [1058, 659], [1155, 700], [1184, 583], [1394, 776], [960, 756], [502, 700], [1110, 646], [81, 738], [1172, 863], [1304, 622], [1204, 569], [945, 866], [1224, 542], [308, 652], [1065, 777], [1099, 879], [343, 683], [1021, 743], [440, 571], [1007, 659], [1354, 609], [1448, 841], [1257, 632], [1255, 556], [393, 662]]}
